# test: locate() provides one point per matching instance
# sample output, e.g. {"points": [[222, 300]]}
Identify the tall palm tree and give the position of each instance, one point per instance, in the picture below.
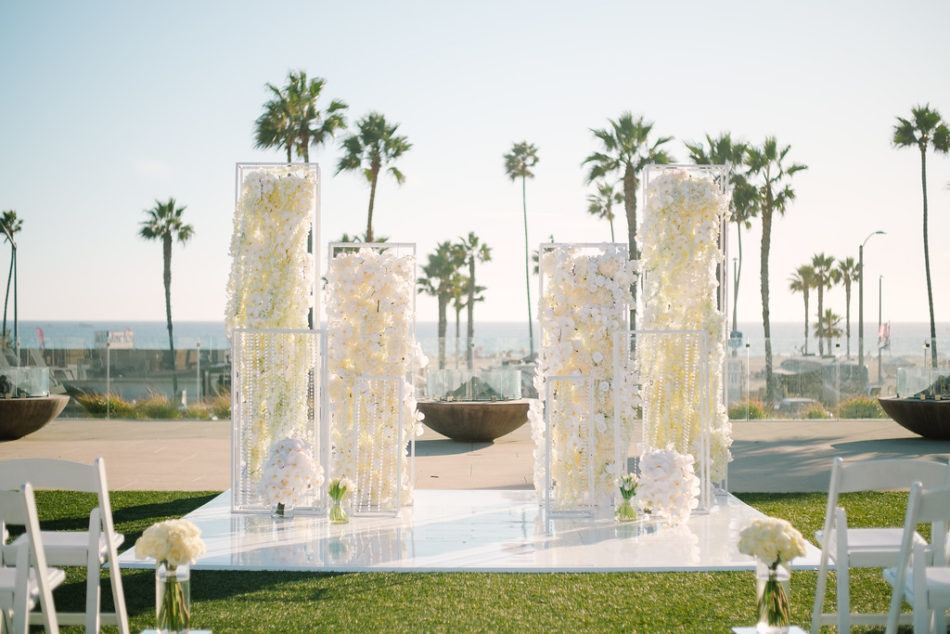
{"points": [[10, 225], [601, 204], [472, 249], [292, 120], [164, 223], [626, 150], [825, 274], [772, 194], [437, 281], [518, 164], [373, 148], [849, 272], [802, 281], [924, 128], [827, 326], [724, 151]]}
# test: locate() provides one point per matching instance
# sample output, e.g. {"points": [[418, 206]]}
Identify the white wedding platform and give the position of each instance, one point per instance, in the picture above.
{"points": [[471, 531]]}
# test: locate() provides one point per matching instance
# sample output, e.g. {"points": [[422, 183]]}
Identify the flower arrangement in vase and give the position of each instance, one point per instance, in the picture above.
{"points": [[774, 543], [290, 477], [668, 486], [174, 545]]}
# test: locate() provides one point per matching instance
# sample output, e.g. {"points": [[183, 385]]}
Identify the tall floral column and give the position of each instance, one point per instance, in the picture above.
{"points": [[371, 354], [681, 351], [275, 355], [585, 295]]}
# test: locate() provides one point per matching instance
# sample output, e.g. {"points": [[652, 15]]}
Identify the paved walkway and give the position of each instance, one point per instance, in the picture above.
{"points": [[770, 456]]}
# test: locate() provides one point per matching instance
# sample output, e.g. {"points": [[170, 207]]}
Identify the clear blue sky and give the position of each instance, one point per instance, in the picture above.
{"points": [[107, 106]]}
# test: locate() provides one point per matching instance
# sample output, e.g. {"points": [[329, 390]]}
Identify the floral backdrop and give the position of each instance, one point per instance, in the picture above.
{"points": [[270, 287], [685, 209], [371, 354], [583, 305]]}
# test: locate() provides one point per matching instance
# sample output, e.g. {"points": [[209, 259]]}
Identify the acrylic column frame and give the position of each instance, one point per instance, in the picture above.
{"points": [[587, 334], [278, 380], [371, 357], [310, 172], [677, 393]]}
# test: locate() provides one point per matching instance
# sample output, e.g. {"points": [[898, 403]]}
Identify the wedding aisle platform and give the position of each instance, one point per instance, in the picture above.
{"points": [[471, 531]]}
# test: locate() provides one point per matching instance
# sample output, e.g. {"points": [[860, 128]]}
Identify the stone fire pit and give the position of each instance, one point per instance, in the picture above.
{"points": [[474, 421], [22, 416]]}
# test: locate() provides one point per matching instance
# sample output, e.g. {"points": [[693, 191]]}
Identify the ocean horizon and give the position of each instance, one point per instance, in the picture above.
{"points": [[907, 338]]}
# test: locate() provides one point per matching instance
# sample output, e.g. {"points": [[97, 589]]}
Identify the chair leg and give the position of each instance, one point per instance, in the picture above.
{"points": [[921, 616], [118, 595], [819, 603], [93, 593], [844, 596]]}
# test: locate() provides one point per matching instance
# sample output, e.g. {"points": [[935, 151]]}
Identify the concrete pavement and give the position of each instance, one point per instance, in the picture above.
{"points": [[770, 456]]}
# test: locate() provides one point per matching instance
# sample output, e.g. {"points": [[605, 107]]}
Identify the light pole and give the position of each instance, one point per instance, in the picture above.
{"points": [[880, 282], [861, 298]]}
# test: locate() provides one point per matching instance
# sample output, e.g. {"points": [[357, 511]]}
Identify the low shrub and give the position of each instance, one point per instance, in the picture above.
{"points": [[96, 405], [814, 411], [157, 406], [861, 407], [221, 406], [751, 410], [198, 411]]}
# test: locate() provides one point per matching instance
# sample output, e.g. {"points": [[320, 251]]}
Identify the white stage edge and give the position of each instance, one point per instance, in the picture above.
{"points": [[471, 531]]}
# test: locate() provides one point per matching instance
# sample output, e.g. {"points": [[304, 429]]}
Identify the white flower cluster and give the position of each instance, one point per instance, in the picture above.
{"points": [[172, 542], [679, 255], [271, 287], [271, 280], [668, 486], [290, 475], [371, 353], [584, 304], [773, 540]]}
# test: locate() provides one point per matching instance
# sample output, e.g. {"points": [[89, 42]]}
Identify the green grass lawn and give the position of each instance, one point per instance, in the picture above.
{"points": [[467, 602]]}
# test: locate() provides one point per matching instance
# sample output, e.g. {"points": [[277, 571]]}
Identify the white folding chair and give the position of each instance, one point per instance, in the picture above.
{"points": [[90, 548], [30, 579], [927, 587], [848, 548]]}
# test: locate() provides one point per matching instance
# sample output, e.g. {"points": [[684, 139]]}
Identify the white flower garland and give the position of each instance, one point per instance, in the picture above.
{"points": [[680, 252], [668, 485], [270, 286], [370, 334], [583, 305]]}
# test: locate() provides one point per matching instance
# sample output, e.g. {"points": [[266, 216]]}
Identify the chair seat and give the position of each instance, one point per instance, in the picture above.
{"points": [[872, 547], [68, 548], [938, 583], [54, 577]]}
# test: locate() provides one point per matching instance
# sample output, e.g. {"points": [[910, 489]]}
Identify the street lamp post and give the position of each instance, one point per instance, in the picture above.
{"points": [[861, 298], [880, 281]]}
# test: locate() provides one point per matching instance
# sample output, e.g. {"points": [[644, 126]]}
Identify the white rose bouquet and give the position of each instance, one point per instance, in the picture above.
{"points": [[668, 484], [171, 544], [775, 542], [290, 475]]}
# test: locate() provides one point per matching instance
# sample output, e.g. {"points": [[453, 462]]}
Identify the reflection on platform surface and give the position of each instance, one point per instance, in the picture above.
{"points": [[471, 530]]}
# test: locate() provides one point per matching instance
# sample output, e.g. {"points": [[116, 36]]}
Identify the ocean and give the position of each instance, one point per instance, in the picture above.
{"points": [[907, 338]]}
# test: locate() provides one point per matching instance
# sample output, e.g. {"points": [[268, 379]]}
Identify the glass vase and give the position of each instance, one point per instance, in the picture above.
{"points": [[772, 592], [625, 512], [173, 598], [283, 511], [338, 513]]}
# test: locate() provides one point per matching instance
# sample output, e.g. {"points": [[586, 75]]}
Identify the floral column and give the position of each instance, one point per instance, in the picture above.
{"points": [[371, 354], [275, 354], [585, 295], [680, 350]]}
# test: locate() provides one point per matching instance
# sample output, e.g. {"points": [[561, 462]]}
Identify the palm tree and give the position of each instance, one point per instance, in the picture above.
{"points": [[924, 128], [772, 194], [472, 249], [518, 164], [823, 267], [827, 326], [601, 204], [723, 151], [626, 150], [164, 223], [10, 225], [802, 281], [849, 272], [437, 278], [292, 120], [373, 148]]}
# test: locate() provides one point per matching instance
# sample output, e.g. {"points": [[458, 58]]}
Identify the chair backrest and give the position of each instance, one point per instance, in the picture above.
{"points": [[18, 507]]}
